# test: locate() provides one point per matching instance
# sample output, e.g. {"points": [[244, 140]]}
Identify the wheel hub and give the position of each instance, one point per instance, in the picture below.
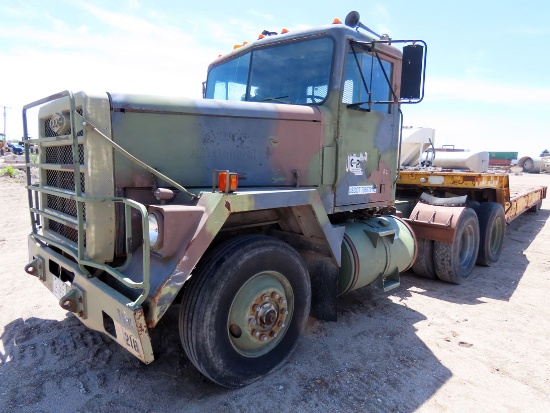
{"points": [[267, 316], [260, 314]]}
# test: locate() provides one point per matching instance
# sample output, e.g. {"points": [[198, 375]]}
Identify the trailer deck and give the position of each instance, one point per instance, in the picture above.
{"points": [[516, 197]]}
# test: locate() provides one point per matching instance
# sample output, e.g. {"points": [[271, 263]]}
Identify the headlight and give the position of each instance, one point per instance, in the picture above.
{"points": [[154, 230]]}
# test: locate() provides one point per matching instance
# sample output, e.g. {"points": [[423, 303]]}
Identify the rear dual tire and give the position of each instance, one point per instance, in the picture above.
{"points": [[454, 261], [492, 229]]}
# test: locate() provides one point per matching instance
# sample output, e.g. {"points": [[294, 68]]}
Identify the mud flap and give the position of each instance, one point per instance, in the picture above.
{"points": [[435, 222]]}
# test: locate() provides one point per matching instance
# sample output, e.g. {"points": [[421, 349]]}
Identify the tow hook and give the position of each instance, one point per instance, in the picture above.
{"points": [[36, 268], [72, 301]]}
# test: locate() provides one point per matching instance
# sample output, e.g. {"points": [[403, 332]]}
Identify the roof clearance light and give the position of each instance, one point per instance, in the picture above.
{"points": [[245, 43], [336, 21], [261, 36], [227, 181], [237, 46], [284, 31]]}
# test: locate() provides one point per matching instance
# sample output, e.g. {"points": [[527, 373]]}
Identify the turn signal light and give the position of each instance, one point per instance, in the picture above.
{"points": [[227, 181]]}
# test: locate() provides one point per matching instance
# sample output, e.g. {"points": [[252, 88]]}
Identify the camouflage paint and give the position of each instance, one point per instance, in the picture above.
{"points": [[290, 158], [263, 142], [218, 207]]}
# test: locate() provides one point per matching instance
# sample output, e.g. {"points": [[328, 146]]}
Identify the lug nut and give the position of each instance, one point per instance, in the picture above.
{"points": [[255, 333], [264, 337], [256, 308], [284, 311], [275, 296], [273, 334], [282, 324], [252, 321], [265, 297], [282, 300]]}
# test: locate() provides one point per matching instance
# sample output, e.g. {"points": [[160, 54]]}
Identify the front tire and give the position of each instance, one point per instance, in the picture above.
{"points": [[244, 309]]}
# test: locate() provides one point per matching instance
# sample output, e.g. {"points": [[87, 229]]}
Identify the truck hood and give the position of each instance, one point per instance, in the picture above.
{"points": [[177, 105]]}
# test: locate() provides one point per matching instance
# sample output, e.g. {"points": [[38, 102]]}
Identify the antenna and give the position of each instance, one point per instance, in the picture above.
{"points": [[352, 20]]}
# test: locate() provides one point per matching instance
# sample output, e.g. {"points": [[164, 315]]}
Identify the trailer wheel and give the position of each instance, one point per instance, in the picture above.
{"points": [[492, 228], [454, 261], [535, 208], [473, 204], [424, 263], [244, 309]]}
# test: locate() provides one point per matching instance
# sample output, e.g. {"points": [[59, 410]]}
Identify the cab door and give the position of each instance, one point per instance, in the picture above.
{"points": [[368, 133]]}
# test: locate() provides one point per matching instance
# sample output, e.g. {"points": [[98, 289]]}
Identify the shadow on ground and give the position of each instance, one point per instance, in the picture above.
{"points": [[361, 363], [498, 282]]}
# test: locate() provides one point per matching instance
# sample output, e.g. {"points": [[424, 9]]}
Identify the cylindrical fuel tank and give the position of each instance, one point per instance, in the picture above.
{"points": [[374, 249], [474, 161]]}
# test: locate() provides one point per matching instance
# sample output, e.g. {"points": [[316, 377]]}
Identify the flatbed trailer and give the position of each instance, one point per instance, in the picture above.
{"points": [[461, 218], [480, 187]]}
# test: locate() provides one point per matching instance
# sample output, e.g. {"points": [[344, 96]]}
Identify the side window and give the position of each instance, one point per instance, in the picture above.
{"points": [[354, 88], [228, 81]]}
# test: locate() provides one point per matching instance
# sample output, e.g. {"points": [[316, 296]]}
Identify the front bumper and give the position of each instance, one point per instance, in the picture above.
{"points": [[97, 305]]}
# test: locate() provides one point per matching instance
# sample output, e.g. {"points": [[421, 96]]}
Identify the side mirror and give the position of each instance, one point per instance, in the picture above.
{"points": [[412, 72]]}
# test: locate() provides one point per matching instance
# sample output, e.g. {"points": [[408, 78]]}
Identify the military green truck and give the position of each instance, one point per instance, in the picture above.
{"points": [[251, 208]]}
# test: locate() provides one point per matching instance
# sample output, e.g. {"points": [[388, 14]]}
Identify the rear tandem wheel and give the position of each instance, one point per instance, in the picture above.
{"points": [[424, 263], [492, 229], [454, 261]]}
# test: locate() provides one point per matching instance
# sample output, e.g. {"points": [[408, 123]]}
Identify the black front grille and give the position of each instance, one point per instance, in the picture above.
{"points": [[64, 154], [65, 205], [65, 231], [64, 180]]}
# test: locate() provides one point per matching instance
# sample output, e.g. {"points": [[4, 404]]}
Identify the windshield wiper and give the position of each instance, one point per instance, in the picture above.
{"points": [[278, 99], [357, 104]]}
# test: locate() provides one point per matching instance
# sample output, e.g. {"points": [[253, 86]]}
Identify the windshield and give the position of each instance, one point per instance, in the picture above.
{"points": [[295, 73]]}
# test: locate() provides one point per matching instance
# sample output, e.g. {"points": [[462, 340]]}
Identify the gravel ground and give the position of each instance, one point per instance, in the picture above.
{"points": [[427, 346]]}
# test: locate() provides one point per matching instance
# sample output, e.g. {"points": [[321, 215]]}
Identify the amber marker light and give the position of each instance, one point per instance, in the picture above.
{"points": [[336, 21], [227, 181], [284, 31]]}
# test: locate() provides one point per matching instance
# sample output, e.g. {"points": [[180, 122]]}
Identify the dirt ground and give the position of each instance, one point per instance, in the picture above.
{"points": [[427, 346]]}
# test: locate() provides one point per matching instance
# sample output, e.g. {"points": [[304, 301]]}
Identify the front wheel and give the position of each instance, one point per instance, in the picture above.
{"points": [[244, 309]]}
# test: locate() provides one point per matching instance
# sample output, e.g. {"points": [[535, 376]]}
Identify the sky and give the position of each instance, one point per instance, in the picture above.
{"points": [[487, 78]]}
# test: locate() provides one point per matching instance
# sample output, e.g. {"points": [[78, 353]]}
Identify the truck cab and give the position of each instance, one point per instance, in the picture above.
{"points": [[251, 208]]}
